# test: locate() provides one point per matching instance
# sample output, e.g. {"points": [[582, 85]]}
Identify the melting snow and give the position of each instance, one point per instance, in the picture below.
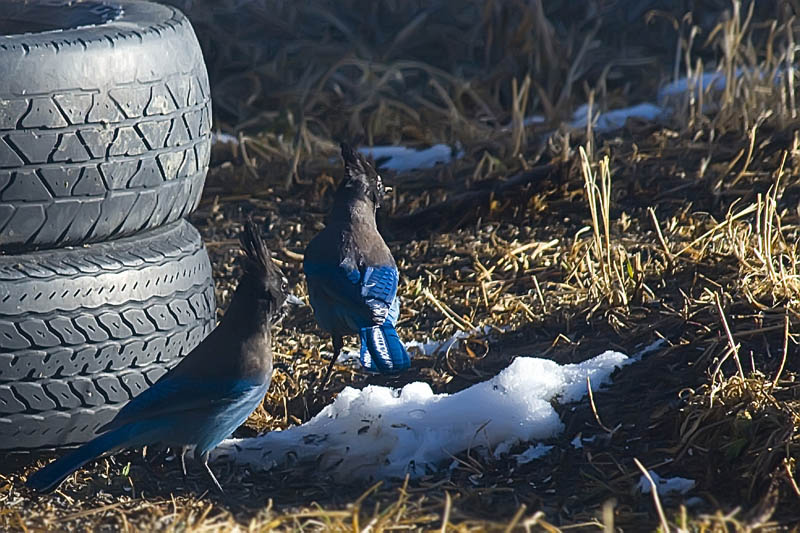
{"points": [[433, 347], [429, 347], [381, 432], [402, 158], [615, 119], [220, 137], [703, 82], [652, 347], [679, 485], [534, 452]]}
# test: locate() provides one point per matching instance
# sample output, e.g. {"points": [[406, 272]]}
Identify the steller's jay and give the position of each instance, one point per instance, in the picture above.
{"points": [[212, 391], [351, 274]]}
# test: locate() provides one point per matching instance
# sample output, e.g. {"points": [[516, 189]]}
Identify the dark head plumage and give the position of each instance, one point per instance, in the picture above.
{"points": [[261, 273], [360, 177]]}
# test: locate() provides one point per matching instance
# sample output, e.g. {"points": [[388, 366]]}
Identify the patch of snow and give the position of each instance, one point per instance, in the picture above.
{"points": [[616, 118], [652, 347], [576, 442], [502, 449], [220, 137], [380, 432], [402, 158], [534, 452], [671, 485], [530, 120], [699, 83], [346, 355], [428, 347], [598, 369], [433, 347], [533, 119], [716, 80]]}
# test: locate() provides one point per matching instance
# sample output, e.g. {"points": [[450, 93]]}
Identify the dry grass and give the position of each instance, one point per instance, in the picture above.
{"points": [[290, 77], [562, 242]]}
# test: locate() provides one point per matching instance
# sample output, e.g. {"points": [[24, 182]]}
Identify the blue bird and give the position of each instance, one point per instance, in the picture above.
{"points": [[212, 391], [351, 274]]}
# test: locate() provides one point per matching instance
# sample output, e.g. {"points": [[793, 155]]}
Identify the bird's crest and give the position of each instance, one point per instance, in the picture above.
{"points": [[358, 172], [270, 283], [257, 258]]}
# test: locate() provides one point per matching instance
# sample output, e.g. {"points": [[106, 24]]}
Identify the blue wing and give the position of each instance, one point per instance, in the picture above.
{"points": [[355, 297], [177, 395], [379, 291]]}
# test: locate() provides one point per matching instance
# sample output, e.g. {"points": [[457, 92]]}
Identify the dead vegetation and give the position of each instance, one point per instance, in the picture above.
{"points": [[562, 242]]}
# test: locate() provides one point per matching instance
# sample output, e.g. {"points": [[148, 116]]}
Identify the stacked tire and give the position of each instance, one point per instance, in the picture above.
{"points": [[105, 120]]}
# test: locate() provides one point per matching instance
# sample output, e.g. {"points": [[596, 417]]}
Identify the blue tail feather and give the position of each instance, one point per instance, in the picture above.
{"points": [[382, 350], [49, 477]]}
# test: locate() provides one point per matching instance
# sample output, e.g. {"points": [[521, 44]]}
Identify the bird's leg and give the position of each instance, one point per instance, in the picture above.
{"points": [[204, 460], [337, 348], [183, 459], [213, 478]]}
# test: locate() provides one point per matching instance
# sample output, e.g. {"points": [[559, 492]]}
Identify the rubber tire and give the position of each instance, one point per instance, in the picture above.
{"points": [[84, 330], [105, 130]]}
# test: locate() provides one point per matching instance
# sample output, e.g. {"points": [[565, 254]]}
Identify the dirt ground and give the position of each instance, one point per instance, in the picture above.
{"points": [[564, 241]]}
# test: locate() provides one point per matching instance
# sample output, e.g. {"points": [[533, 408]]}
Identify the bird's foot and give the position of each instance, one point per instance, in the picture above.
{"points": [[213, 478], [319, 388]]}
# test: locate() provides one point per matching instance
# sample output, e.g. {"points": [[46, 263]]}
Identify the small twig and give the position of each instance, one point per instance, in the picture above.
{"points": [[223, 242], [744, 212], [654, 491], [660, 235], [785, 349], [322, 513], [539, 293], [608, 516], [446, 516], [517, 517], [792, 481], [756, 331], [89, 512], [594, 407], [731, 342], [749, 157], [540, 247], [448, 313], [356, 507], [294, 256], [248, 163]]}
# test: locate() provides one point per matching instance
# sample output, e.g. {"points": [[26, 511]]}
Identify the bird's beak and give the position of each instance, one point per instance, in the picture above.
{"points": [[283, 311], [294, 300]]}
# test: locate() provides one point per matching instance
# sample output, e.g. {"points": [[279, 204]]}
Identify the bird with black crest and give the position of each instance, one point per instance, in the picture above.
{"points": [[351, 274], [211, 391]]}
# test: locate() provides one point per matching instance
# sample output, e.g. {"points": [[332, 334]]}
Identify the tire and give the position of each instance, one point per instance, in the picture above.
{"points": [[104, 129], [84, 330]]}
